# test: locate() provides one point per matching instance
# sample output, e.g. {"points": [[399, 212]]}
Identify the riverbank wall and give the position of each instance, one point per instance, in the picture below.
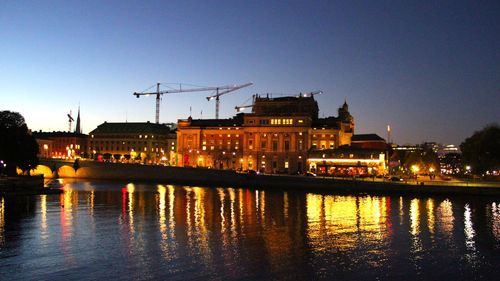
{"points": [[224, 178], [23, 185]]}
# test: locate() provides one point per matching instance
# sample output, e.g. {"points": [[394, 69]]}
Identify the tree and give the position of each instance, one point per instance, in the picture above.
{"points": [[482, 150], [18, 148]]}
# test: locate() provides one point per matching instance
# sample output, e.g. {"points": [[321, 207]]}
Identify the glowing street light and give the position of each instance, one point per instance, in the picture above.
{"points": [[415, 169]]}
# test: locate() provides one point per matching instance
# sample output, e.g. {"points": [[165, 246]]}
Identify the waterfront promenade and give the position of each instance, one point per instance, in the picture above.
{"points": [[227, 178]]}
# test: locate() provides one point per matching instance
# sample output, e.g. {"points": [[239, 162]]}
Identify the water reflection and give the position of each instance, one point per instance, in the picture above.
{"points": [[2, 221], [162, 231], [495, 220]]}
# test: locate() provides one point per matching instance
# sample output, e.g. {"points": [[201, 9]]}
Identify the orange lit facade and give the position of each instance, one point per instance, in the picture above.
{"points": [[61, 144], [277, 137], [133, 142]]}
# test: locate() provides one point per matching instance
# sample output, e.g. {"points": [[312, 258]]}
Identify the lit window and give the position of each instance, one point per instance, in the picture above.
{"points": [[204, 148], [301, 121]]}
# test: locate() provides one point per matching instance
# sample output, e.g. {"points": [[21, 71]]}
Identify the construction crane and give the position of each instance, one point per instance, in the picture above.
{"points": [[242, 107], [159, 93], [311, 94], [218, 94], [70, 120]]}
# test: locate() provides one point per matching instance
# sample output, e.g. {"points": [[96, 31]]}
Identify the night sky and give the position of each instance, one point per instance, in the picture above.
{"points": [[430, 69]]}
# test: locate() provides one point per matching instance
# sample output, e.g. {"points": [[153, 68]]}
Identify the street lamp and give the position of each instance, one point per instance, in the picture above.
{"points": [[415, 170]]}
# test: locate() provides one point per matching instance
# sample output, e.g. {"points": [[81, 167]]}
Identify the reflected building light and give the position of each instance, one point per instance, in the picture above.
{"points": [[220, 191], [445, 217], [130, 207], [416, 247], [430, 215], [199, 211], [171, 204], [43, 216], [414, 217], [495, 220], [200, 225], [162, 191], [314, 205], [188, 213], [256, 200], [91, 203], [262, 201], [285, 204], [469, 229], [240, 206], [401, 210], [232, 200], [2, 221]]}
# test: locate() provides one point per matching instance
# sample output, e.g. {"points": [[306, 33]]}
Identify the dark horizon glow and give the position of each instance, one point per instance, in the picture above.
{"points": [[429, 69]]}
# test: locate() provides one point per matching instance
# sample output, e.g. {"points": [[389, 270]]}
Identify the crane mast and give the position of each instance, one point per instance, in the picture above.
{"points": [[158, 93]]}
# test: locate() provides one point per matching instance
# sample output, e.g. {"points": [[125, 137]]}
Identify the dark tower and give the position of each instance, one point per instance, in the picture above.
{"points": [[78, 130]]}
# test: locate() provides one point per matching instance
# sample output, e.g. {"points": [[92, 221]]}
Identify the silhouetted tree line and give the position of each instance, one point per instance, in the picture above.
{"points": [[18, 148], [482, 150]]}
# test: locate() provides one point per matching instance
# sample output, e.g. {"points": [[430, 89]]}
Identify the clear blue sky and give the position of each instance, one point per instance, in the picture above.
{"points": [[430, 69]]}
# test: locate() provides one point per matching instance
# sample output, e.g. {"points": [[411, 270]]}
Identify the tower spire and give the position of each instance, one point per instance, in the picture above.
{"points": [[78, 130]]}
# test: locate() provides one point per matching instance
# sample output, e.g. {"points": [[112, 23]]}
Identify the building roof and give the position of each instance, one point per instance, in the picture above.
{"points": [[131, 128], [330, 122], [59, 134], [366, 137], [286, 106], [231, 122]]}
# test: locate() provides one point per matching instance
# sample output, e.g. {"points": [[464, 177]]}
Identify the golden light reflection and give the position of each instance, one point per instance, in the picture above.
{"points": [[401, 210], [232, 201], [2, 221], [240, 206], [220, 191], [445, 216], [199, 211], [345, 218], [67, 211], [430, 215], [43, 217], [91, 203], [162, 191], [130, 207], [262, 207], [200, 225], [416, 246], [495, 220], [285, 204], [414, 217], [469, 229], [188, 212], [171, 203]]}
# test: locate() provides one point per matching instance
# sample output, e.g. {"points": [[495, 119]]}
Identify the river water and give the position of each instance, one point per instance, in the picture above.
{"points": [[103, 230]]}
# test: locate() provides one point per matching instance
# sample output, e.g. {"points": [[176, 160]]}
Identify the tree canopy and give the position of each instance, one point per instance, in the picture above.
{"points": [[482, 150], [18, 148]]}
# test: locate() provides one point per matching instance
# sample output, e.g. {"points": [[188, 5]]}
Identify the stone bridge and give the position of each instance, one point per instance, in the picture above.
{"points": [[54, 168]]}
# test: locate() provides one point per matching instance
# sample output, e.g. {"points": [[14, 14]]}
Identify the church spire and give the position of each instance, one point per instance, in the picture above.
{"points": [[78, 130]]}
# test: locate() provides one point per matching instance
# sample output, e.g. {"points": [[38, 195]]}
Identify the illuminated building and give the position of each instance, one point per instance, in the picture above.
{"points": [[138, 142], [347, 161], [61, 144], [275, 138]]}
